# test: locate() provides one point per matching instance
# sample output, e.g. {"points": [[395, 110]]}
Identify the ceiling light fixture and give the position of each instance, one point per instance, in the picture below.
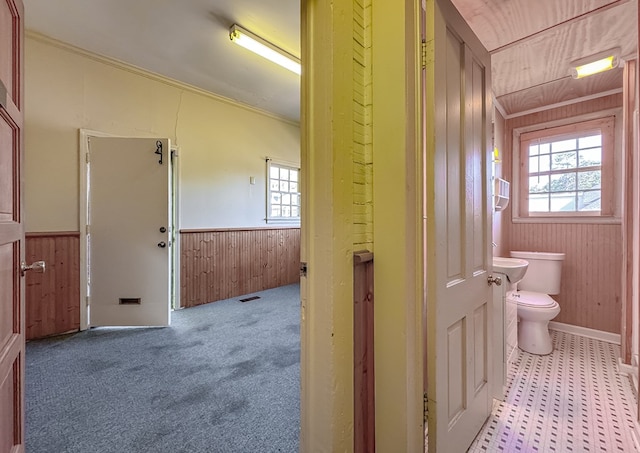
{"points": [[595, 64], [264, 48]]}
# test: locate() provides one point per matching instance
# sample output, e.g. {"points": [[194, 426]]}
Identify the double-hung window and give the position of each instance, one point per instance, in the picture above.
{"points": [[283, 192], [567, 171]]}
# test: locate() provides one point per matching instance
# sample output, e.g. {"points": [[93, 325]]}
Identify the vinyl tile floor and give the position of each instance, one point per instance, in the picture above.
{"points": [[572, 400]]}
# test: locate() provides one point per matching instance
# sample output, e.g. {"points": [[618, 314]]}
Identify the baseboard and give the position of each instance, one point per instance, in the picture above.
{"points": [[631, 371], [607, 337], [625, 368]]}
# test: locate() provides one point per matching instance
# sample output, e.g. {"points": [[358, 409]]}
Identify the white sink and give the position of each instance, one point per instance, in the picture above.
{"points": [[513, 268]]}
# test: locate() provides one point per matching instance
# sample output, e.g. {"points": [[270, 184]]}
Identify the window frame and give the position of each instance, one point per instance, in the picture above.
{"points": [[545, 133], [289, 166]]}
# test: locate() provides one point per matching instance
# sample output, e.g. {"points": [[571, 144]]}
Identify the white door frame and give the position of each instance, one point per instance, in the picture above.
{"points": [[85, 135]]}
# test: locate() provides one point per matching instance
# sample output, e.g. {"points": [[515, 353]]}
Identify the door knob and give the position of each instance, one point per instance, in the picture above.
{"points": [[494, 280], [38, 267], [162, 244]]}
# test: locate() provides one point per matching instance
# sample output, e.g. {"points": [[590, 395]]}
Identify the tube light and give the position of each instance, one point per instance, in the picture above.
{"points": [[264, 48], [594, 65]]}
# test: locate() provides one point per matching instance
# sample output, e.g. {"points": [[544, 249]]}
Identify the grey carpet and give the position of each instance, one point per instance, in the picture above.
{"points": [[225, 377]]}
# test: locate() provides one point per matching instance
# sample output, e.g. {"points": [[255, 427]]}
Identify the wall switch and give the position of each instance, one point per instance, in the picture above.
{"points": [[252, 180]]}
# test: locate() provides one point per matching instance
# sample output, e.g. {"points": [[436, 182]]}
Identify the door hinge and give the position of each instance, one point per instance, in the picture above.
{"points": [[87, 299], [426, 53], [303, 269], [425, 408], [88, 229], [87, 159]]}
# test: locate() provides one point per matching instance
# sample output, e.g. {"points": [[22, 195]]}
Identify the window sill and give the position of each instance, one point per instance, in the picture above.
{"points": [[568, 219], [283, 222]]}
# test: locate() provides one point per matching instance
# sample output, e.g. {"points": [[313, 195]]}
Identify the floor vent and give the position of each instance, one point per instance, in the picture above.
{"points": [[129, 301], [250, 298]]}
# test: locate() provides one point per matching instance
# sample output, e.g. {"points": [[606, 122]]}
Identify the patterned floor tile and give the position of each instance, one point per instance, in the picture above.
{"points": [[572, 400]]}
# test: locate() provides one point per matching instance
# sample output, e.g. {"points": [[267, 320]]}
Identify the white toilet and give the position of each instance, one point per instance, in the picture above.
{"points": [[535, 307]]}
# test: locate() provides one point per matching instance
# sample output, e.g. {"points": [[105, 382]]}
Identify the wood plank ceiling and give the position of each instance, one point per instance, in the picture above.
{"points": [[533, 43]]}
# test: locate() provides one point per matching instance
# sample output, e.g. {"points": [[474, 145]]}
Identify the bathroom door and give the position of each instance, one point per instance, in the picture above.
{"points": [[458, 149]]}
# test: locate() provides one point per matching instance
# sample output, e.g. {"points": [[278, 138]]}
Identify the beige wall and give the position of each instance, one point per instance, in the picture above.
{"points": [[221, 144]]}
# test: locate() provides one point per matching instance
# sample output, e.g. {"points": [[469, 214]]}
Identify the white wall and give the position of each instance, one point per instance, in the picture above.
{"points": [[221, 144]]}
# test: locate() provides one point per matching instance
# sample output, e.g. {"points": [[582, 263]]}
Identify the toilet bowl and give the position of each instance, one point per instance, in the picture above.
{"points": [[535, 307], [535, 310]]}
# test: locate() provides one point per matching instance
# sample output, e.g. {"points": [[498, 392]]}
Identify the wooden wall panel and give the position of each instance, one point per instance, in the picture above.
{"points": [[52, 299], [220, 264], [591, 282], [629, 206], [364, 364], [590, 290]]}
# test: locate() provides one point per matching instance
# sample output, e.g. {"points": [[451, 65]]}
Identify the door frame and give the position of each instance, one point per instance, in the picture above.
{"points": [[84, 136]]}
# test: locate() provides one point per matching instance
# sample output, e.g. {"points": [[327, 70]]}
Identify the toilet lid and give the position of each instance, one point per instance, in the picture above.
{"points": [[532, 299]]}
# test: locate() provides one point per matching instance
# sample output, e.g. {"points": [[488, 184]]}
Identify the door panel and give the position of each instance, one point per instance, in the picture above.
{"points": [[11, 229], [7, 166], [458, 230], [128, 206]]}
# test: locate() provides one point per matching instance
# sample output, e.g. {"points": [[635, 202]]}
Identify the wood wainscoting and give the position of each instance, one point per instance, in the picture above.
{"points": [[218, 264], [590, 287], [364, 436], [52, 299]]}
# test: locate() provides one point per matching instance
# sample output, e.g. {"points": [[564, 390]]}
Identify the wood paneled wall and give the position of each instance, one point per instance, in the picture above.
{"points": [[590, 289], [591, 281], [363, 371], [52, 299], [630, 202], [224, 263]]}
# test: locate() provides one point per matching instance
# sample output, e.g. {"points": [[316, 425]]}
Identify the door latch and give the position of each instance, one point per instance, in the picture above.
{"points": [[303, 269], [38, 267]]}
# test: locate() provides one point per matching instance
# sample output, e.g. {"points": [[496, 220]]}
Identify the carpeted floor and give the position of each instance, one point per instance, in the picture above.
{"points": [[225, 377]]}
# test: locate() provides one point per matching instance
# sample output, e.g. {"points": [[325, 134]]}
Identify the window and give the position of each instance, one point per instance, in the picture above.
{"points": [[283, 192], [567, 170]]}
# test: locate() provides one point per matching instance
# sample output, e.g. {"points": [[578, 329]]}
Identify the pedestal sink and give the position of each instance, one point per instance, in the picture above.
{"points": [[513, 268]]}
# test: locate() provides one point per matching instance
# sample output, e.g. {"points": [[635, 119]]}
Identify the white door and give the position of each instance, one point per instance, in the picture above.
{"points": [[458, 148], [129, 231]]}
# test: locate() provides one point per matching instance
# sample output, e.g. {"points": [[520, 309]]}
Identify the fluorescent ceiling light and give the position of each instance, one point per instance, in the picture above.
{"points": [[595, 64], [264, 48]]}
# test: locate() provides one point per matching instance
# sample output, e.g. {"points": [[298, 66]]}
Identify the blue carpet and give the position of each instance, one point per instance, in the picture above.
{"points": [[225, 377]]}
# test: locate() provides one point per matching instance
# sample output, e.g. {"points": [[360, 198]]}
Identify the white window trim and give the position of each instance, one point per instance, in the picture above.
{"points": [[280, 220], [582, 217]]}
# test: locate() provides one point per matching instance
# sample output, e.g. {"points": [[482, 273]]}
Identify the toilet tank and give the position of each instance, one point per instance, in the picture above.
{"points": [[543, 273]]}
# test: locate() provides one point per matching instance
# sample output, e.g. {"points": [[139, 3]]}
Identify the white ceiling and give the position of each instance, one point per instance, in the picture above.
{"points": [[186, 40], [532, 43]]}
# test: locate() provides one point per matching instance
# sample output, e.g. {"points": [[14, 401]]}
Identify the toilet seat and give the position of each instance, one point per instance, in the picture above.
{"points": [[533, 299]]}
